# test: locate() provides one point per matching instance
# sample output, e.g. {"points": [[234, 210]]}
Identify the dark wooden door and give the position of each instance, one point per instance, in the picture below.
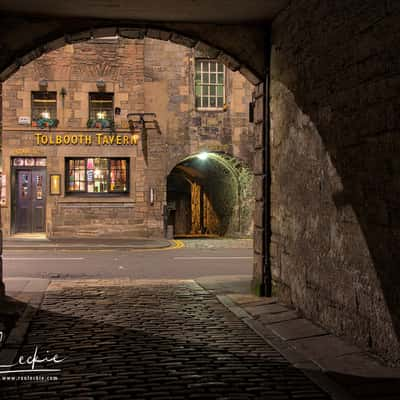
{"points": [[30, 198]]}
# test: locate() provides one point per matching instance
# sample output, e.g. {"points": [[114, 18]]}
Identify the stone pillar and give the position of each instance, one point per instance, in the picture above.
{"points": [[261, 284]]}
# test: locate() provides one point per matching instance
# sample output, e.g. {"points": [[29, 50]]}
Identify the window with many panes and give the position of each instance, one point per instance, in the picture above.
{"points": [[44, 105], [97, 175], [209, 84], [101, 106]]}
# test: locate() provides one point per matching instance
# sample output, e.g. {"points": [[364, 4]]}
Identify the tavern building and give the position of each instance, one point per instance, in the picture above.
{"points": [[107, 138]]}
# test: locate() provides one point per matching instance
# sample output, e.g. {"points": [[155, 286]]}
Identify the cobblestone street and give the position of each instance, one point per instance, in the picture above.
{"points": [[125, 339]]}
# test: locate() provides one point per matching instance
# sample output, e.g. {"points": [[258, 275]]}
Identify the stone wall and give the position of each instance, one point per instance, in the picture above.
{"points": [[145, 75], [335, 166]]}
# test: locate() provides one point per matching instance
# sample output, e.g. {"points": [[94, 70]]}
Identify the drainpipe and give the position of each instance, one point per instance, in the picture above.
{"points": [[239, 206], [202, 229]]}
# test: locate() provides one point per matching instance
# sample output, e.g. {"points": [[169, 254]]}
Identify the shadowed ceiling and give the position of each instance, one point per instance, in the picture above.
{"points": [[224, 11]]}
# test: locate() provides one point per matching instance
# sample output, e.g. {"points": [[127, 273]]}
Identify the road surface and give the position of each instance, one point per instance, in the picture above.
{"points": [[184, 263]]}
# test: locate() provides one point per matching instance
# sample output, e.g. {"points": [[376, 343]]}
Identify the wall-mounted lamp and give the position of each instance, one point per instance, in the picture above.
{"points": [[43, 84], [63, 92], [152, 196], [101, 85], [252, 106]]}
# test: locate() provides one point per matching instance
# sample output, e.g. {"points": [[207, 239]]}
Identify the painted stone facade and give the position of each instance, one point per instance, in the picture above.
{"points": [[145, 75]]}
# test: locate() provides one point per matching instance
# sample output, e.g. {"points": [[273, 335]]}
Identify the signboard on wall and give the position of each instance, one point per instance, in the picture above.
{"points": [[100, 139], [24, 120]]}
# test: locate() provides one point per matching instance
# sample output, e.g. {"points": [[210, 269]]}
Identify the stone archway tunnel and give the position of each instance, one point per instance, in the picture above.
{"points": [[210, 194], [326, 117]]}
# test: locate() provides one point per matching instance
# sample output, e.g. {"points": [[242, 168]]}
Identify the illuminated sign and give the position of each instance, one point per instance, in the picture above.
{"points": [[99, 139]]}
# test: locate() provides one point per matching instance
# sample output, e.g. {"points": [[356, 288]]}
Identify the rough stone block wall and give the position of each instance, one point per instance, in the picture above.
{"points": [[170, 91], [335, 167]]}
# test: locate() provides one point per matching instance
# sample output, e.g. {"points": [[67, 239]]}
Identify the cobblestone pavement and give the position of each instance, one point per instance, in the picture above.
{"points": [[170, 340]]}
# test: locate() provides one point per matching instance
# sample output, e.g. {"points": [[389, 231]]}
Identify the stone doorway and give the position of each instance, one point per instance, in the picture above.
{"points": [[29, 197]]}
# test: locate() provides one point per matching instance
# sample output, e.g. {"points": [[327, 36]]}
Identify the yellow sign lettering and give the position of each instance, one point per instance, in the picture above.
{"points": [[101, 139]]}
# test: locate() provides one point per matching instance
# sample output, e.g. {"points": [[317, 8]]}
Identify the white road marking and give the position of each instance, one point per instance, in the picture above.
{"points": [[42, 259], [213, 258]]}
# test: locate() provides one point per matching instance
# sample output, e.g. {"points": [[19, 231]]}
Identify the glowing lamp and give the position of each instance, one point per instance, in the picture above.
{"points": [[203, 155]]}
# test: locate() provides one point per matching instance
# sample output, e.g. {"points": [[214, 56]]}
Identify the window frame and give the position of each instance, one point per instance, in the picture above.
{"points": [[90, 102], [97, 194], [209, 84], [33, 92]]}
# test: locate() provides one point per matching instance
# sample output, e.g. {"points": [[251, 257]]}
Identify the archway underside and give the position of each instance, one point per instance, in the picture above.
{"points": [[240, 47]]}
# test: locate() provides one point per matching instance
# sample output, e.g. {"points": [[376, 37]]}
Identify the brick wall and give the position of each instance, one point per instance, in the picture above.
{"points": [[335, 187]]}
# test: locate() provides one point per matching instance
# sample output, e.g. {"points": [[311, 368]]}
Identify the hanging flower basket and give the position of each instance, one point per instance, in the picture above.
{"points": [[100, 123], [43, 123]]}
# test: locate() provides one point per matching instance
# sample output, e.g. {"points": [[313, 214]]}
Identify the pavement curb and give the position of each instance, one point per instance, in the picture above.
{"points": [[309, 368], [170, 244]]}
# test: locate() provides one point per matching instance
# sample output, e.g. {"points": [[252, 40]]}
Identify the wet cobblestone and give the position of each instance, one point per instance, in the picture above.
{"points": [[126, 339]]}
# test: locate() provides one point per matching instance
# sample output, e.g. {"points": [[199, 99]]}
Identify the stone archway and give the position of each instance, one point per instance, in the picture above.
{"points": [[210, 194], [232, 45], [206, 39]]}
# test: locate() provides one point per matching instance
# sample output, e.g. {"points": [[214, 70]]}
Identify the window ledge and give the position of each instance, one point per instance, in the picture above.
{"points": [[219, 109]]}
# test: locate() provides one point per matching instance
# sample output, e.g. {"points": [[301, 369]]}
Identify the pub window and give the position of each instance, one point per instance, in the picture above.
{"points": [[209, 84], [44, 105], [97, 175], [101, 106]]}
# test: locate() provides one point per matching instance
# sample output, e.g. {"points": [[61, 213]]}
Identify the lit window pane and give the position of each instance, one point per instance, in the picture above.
{"points": [[209, 90], [40, 162], [97, 175], [118, 176], [44, 105], [101, 106]]}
